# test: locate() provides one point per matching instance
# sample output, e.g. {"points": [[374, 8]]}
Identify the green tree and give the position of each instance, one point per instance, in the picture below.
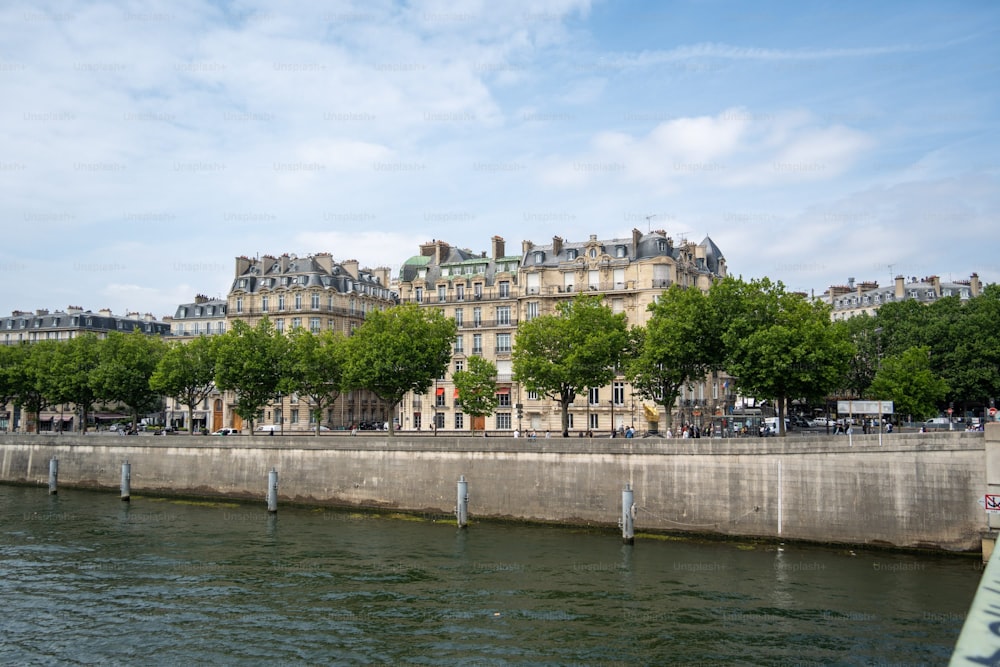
{"points": [[863, 331], [562, 354], [399, 350], [27, 377], [679, 344], [477, 387], [126, 362], [73, 364], [781, 346], [186, 373], [315, 369], [250, 362], [908, 380]]}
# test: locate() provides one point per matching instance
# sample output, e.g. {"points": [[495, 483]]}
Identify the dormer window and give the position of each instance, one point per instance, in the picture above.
{"points": [[593, 253], [620, 251], [572, 253], [539, 257]]}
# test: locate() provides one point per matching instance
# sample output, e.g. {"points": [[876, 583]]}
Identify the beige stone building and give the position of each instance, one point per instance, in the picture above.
{"points": [[317, 293], [488, 294]]}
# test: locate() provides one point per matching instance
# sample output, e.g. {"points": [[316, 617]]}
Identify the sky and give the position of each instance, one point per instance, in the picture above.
{"points": [[144, 145]]}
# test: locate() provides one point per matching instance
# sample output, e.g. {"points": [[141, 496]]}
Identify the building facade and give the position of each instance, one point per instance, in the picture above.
{"points": [[317, 293], [488, 294], [852, 299]]}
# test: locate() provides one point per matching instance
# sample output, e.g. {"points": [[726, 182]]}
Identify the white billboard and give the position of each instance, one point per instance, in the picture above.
{"points": [[864, 408]]}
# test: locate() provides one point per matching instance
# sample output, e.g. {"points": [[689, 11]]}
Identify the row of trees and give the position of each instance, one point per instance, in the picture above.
{"points": [[928, 356], [396, 351], [776, 344]]}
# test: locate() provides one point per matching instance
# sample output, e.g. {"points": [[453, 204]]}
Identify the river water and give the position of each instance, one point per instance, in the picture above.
{"points": [[86, 579]]}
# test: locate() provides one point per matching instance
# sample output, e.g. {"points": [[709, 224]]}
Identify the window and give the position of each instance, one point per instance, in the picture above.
{"points": [[594, 421], [617, 305], [314, 324], [459, 344], [294, 418], [460, 292], [531, 310], [504, 289], [239, 304], [569, 421], [503, 342], [477, 290], [532, 395], [593, 253], [594, 279], [222, 327], [539, 257], [618, 276], [459, 421], [459, 365], [477, 344], [503, 315], [477, 316], [195, 329], [503, 400], [568, 279], [458, 316], [296, 322], [619, 251], [503, 421], [263, 304], [281, 302], [314, 300], [439, 399], [298, 302], [618, 393], [595, 396], [418, 294], [442, 293], [439, 420]]}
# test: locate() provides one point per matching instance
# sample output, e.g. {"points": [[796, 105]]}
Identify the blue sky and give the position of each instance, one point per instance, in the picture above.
{"points": [[143, 146]]}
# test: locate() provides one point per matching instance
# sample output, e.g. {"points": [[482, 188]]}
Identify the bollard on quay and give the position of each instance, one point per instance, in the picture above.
{"points": [[53, 476], [126, 481], [462, 508], [628, 515], [272, 491]]}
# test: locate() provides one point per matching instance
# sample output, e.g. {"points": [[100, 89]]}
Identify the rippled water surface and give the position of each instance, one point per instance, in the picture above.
{"points": [[87, 579]]}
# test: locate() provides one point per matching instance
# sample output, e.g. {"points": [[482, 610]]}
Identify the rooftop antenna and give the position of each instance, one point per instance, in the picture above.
{"points": [[649, 224], [891, 277]]}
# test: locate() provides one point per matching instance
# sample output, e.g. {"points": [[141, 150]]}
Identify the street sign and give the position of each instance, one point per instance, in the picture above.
{"points": [[993, 412], [992, 502], [949, 411]]}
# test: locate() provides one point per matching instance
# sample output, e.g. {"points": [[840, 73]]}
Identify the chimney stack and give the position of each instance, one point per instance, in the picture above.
{"points": [[498, 247], [557, 243]]}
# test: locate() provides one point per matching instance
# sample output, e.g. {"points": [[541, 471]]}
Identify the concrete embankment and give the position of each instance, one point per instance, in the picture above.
{"points": [[912, 490]]}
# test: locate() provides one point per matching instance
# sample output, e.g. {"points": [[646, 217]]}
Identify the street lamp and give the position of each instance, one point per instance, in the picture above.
{"points": [[612, 401]]}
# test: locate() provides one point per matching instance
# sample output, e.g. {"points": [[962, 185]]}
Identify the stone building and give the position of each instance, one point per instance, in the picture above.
{"points": [[320, 294], [853, 299], [489, 293]]}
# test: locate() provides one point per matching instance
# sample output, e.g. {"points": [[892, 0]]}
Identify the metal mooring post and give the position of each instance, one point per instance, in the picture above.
{"points": [[53, 476], [628, 515], [272, 491], [462, 508], [126, 481]]}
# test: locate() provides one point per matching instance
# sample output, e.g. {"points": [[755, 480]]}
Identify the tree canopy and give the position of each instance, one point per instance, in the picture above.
{"points": [[560, 355], [477, 387], [315, 369], [186, 372], [126, 362], [250, 362], [398, 350]]}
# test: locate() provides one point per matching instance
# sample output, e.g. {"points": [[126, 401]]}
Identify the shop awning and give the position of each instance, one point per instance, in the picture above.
{"points": [[439, 391], [503, 390]]}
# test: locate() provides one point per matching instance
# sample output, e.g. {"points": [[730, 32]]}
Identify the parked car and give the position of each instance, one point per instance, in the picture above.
{"points": [[822, 422], [268, 427], [226, 431], [772, 424], [798, 421]]}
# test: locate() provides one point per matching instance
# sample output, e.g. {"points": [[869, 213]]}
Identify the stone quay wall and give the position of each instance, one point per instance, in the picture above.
{"points": [[923, 490]]}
